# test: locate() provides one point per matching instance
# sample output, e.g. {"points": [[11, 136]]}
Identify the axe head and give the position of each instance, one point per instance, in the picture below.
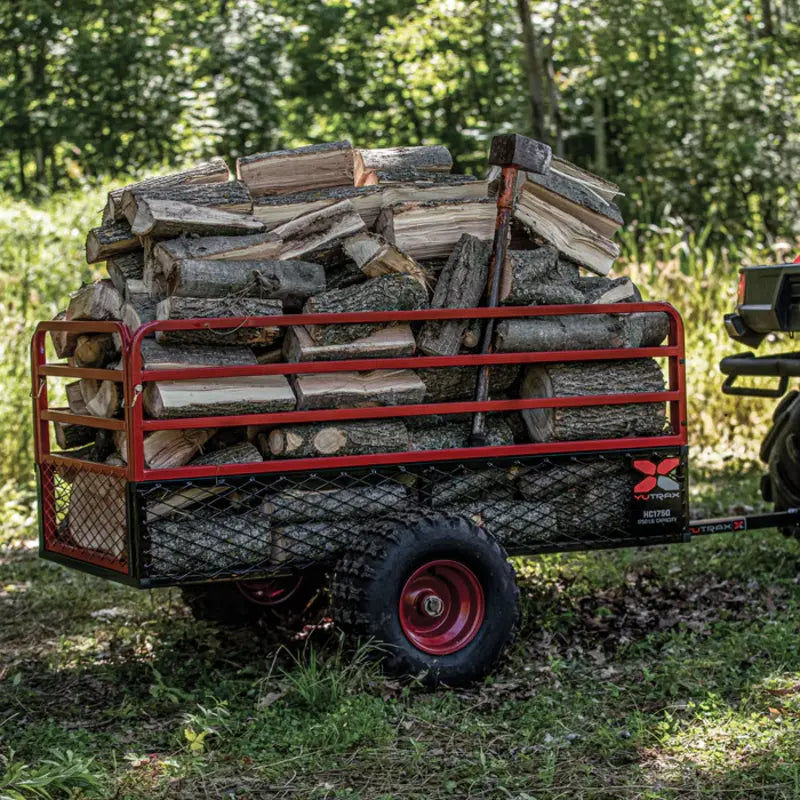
{"points": [[513, 150]]}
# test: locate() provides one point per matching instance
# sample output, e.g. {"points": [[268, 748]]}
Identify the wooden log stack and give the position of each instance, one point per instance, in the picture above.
{"points": [[329, 228]]}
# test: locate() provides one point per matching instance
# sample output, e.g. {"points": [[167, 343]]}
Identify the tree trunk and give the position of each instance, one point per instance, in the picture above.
{"points": [[165, 219], [218, 397], [598, 112], [312, 167], [358, 389], [593, 422], [533, 71], [387, 293], [231, 196], [292, 282], [461, 284], [392, 342], [214, 171], [342, 439], [209, 308]]}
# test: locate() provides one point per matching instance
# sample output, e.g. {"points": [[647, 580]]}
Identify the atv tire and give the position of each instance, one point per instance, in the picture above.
{"points": [[781, 453]]}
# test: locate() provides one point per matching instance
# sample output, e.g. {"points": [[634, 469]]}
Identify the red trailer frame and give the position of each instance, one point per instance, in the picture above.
{"points": [[126, 566]]}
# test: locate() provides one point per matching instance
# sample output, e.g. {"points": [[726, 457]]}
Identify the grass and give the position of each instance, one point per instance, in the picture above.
{"points": [[664, 673]]}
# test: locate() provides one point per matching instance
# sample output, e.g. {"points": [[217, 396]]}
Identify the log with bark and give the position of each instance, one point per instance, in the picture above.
{"points": [[96, 301], [608, 290], [539, 277], [514, 523], [209, 308], [581, 332], [165, 219], [199, 545], [337, 439], [386, 293], [469, 486], [138, 310], [459, 383], [391, 342], [231, 196], [460, 285], [168, 449], [374, 256], [252, 247], [161, 356], [312, 541], [94, 350], [218, 397], [455, 434], [69, 435], [358, 389], [275, 210], [312, 167], [431, 230], [432, 158], [289, 281], [213, 171], [126, 267], [317, 505], [110, 240], [593, 422], [241, 453]]}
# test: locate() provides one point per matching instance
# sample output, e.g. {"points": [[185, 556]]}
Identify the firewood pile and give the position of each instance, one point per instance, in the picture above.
{"points": [[330, 228]]}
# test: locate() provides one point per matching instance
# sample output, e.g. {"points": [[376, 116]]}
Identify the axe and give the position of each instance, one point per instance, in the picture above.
{"points": [[512, 153]]}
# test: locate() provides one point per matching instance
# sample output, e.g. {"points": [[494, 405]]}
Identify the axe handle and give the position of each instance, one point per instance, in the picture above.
{"points": [[505, 208]]}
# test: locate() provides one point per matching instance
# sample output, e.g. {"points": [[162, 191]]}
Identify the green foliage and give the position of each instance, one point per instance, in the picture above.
{"points": [[59, 775]]}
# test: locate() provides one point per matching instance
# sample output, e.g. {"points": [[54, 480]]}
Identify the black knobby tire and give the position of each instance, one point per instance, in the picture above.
{"points": [[369, 580], [781, 452], [236, 605]]}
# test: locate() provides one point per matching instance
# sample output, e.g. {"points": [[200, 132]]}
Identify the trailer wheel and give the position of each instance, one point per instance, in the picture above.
{"points": [[288, 599], [781, 452], [435, 591]]}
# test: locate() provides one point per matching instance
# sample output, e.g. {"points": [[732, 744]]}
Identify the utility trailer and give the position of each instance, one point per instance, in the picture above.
{"points": [[413, 544]]}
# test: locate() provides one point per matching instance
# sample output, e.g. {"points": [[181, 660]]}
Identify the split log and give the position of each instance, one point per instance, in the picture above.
{"points": [[386, 293], [358, 389], [608, 290], [471, 486], [581, 332], [460, 285], [126, 267], [432, 158], [95, 350], [218, 397], [168, 449], [252, 247], [514, 523], [320, 235], [97, 514], [443, 384], [431, 230], [298, 505], [138, 310], [539, 277], [69, 435], [213, 171], [159, 356], [199, 546], [110, 240], [374, 256], [75, 400], [593, 422], [342, 439], [98, 301], [292, 282], [165, 219], [102, 398], [63, 341], [210, 308], [312, 167], [601, 186], [133, 288], [230, 196], [457, 187], [242, 453], [391, 342], [276, 210], [471, 337], [449, 435]]}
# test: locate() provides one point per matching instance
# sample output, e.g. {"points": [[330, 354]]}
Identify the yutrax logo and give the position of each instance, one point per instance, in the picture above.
{"points": [[658, 475]]}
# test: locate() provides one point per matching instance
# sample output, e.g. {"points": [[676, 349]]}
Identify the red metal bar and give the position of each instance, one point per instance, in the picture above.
{"points": [[57, 460]]}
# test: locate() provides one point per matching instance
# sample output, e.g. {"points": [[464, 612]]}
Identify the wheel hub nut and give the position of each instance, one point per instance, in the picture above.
{"points": [[433, 606]]}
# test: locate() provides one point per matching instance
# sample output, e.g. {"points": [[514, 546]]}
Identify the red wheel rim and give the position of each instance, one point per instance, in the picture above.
{"points": [[442, 607], [271, 592]]}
